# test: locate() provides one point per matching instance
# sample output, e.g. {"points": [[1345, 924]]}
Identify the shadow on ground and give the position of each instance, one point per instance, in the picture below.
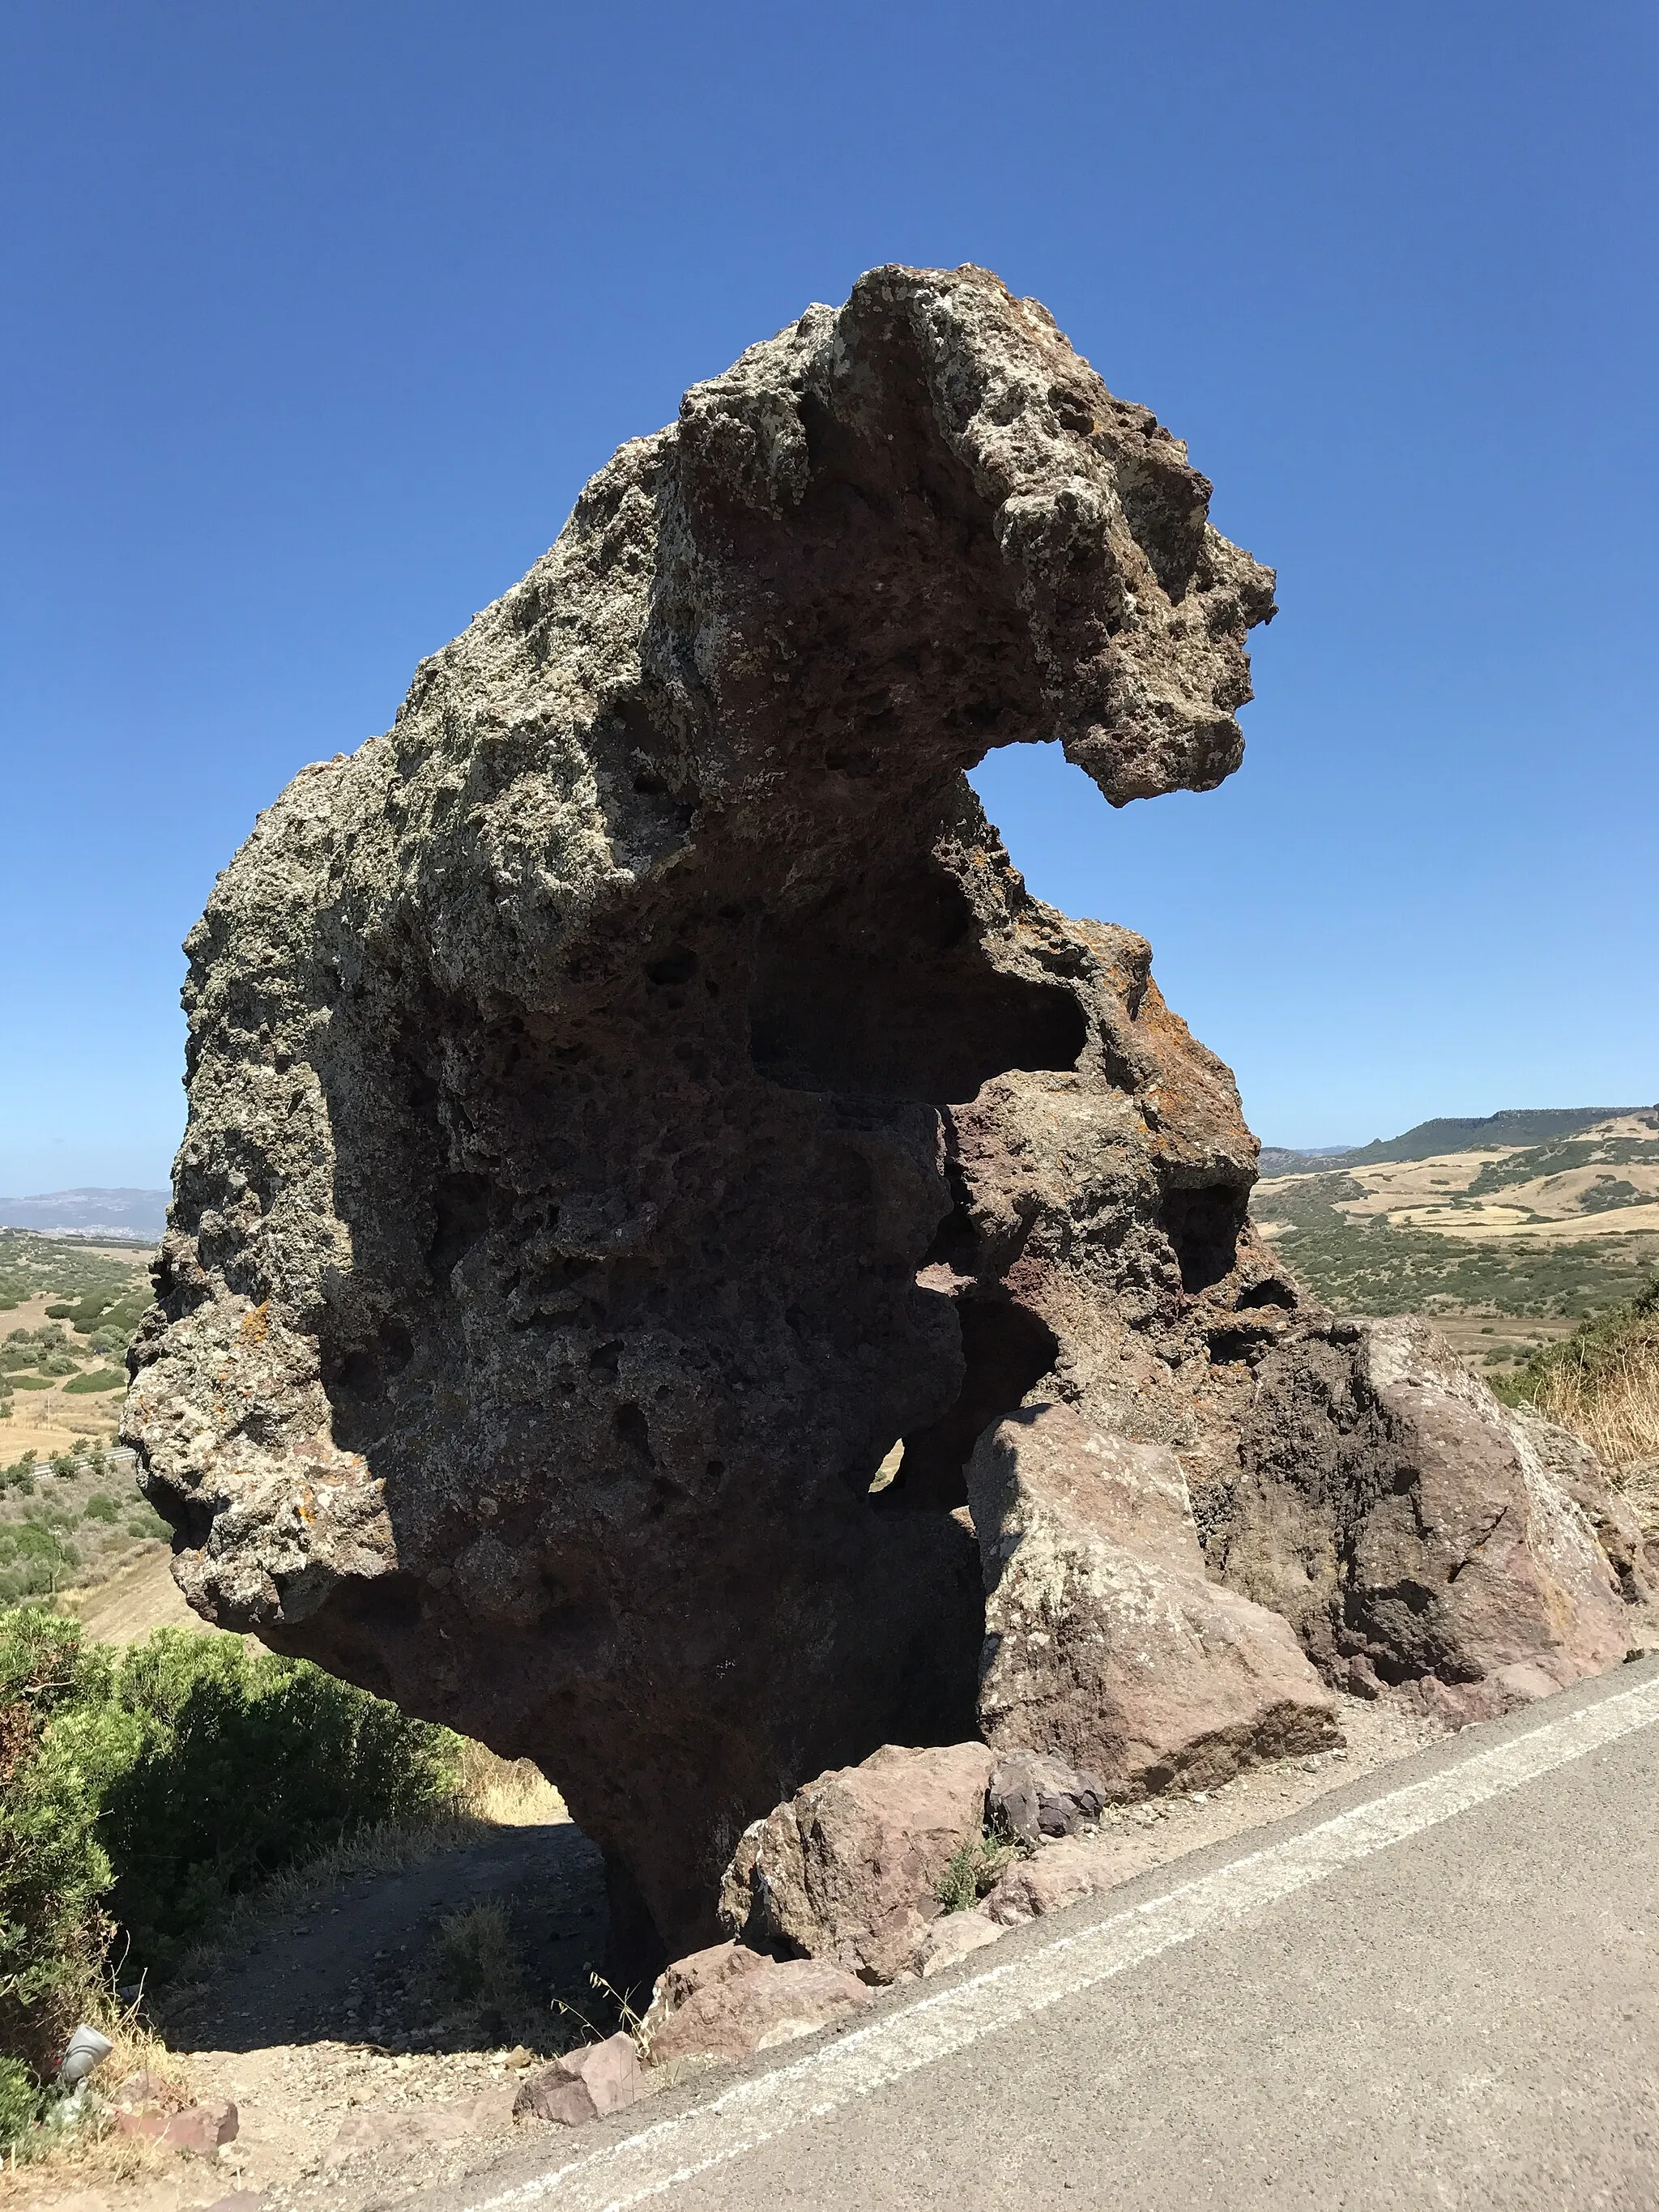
{"points": [[366, 1961]]}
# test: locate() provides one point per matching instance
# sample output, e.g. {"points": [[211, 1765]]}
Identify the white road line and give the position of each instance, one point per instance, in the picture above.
{"points": [[751, 2112]]}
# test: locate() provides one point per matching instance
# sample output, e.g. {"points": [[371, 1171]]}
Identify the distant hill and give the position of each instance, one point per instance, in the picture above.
{"points": [[1283, 1159], [1429, 1140], [136, 1213]]}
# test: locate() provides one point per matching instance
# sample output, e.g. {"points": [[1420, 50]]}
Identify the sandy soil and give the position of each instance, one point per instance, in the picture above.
{"points": [[141, 1595], [46, 1421]]}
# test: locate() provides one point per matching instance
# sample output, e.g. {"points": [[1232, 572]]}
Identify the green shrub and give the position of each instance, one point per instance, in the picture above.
{"points": [[141, 1791], [100, 1506], [34, 1561], [972, 1870], [20, 2101], [101, 1378], [53, 1870], [251, 1762]]}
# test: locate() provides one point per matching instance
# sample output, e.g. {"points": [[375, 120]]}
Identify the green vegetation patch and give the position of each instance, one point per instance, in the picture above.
{"points": [[36, 1559], [32, 1267], [1369, 1267], [142, 1791], [1541, 1160], [102, 1379], [1592, 1356]]}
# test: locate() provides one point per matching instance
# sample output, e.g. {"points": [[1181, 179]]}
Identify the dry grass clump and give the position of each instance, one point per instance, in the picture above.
{"points": [[474, 1972], [91, 2146], [507, 1792], [1603, 1383]]}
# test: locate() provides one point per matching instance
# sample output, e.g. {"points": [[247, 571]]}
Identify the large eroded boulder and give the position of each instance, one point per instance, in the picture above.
{"points": [[635, 1097]]}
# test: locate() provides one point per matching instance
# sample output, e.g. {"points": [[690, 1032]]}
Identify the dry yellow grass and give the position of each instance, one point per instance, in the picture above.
{"points": [[507, 1793], [1613, 1404], [1615, 1409], [93, 2150]]}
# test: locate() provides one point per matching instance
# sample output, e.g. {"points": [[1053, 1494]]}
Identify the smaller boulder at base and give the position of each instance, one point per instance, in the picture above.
{"points": [[198, 2127], [600, 2077], [849, 1868], [1033, 1796], [726, 2002], [1104, 1639]]}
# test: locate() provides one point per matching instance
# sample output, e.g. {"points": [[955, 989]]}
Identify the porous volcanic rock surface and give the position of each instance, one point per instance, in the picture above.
{"points": [[635, 1092]]}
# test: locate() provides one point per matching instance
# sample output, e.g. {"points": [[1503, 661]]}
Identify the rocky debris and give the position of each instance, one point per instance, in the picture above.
{"points": [[1411, 1528], [1059, 1875], [634, 1098], [1032, 1795], [727, 2000], [957, 1936], [197, 2128], [1103, 1638], [600, 2077], [399, 2127], [145, 2088], [848, 1869]]}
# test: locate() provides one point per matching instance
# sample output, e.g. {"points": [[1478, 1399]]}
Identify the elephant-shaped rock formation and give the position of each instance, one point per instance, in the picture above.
{"points": [[635, 1103]]}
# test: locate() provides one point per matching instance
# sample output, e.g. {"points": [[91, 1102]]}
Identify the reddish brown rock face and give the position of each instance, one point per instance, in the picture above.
{"points": [[635, 1092], [1105, 1640]]}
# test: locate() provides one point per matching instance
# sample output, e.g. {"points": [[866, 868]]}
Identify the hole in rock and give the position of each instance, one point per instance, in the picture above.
{"points": [[460, 1203], [675, 966], [955, 1242], [1229, 1345], [1008, 1349], [1271, 1293], [1203, 1227], [629, 1424], [887, 995]]}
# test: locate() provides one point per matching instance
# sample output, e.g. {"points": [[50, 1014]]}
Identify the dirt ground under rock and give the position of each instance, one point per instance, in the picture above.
{"points": [[325, 2011]]}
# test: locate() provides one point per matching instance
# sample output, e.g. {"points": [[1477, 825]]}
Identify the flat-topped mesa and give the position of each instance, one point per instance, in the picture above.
{"points": [[634, 1092]]}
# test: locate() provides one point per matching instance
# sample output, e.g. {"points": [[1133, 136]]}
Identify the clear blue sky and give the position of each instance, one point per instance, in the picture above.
{"points": [[319, 315]]}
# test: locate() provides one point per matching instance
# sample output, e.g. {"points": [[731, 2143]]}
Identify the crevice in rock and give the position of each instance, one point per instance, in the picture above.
{"points": [[359, 1385], [889, 995], [460, 1205], [1008, 1350], [1203, 1227]]}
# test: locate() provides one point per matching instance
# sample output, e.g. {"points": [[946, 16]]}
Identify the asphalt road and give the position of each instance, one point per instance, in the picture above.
{"points": [[1437, 1987]]}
